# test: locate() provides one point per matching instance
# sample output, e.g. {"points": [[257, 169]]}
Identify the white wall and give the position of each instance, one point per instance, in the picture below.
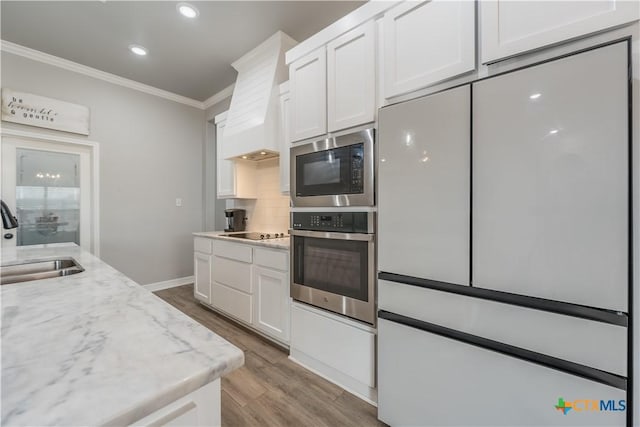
{"points": [[152, 151]]}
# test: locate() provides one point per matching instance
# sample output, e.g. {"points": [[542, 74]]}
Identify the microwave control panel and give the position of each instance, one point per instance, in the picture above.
{"points": [[344, 222]]}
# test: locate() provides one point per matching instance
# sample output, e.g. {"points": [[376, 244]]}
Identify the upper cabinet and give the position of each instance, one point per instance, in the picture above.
{"points": [[308, 82], [351, 85], [235, 179], [513, 27], [334, 87], [426, 42], [285, 99]]}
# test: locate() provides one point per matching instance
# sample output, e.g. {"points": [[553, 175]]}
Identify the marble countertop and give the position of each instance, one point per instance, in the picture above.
{"points": [[282, 243], [95, 348]]}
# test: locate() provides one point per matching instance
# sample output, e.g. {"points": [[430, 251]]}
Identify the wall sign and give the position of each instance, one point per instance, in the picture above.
{"points": [[34, 110]]}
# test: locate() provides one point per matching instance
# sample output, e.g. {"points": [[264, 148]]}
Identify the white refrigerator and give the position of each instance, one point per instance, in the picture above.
{"points": [[504, 248]]}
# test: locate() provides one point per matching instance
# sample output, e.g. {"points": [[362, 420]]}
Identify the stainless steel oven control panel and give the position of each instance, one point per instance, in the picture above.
{"points": [[344, 222]]}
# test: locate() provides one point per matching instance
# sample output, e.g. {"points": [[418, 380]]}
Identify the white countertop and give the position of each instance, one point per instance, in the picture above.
{"points": [[282, 243], [95, 348]]}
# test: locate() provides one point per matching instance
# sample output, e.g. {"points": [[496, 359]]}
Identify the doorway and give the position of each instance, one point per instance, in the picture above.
{"points": [[50, 185]]}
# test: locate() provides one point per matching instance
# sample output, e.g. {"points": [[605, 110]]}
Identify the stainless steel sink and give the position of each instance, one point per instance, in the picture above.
{"points": [[38, 269]]}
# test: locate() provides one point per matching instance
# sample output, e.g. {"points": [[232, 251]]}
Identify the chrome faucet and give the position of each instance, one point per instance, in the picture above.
{"points": [[8, 220]]}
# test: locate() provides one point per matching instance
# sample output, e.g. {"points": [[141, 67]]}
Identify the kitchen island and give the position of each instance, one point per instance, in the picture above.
{"points": [[95, 348]]}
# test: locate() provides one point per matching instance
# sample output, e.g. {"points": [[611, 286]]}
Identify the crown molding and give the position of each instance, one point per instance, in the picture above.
{"points": [[222, 95], [45, 58]]}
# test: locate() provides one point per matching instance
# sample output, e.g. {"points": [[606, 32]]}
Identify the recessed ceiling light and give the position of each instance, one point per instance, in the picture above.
{"points": [[187, 10], [138, 50], [553, 131], [535, 96]]}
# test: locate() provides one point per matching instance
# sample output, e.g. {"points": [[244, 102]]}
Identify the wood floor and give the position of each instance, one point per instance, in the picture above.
{"points": [[270, 390]]}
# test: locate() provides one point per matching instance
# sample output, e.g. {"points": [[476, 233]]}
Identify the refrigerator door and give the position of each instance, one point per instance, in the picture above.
{"points": [[426, 379], [550, 180], [424, 187]]}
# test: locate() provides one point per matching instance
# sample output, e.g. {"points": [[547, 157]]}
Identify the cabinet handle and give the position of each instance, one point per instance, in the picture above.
{"points": [[561, 365]]}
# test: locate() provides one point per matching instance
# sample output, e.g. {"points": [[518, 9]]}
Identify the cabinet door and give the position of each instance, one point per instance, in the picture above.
{"points": [[424, 188], [271, 302], [308, 80], [512, 27], [426, 42], [226, 173], [285, 100], [202, 273], [551, 180], [351, 78]]}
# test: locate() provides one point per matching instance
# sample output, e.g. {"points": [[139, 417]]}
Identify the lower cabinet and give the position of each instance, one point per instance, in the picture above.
{"points": [[271, 302], [202, 269], [250, 284], [339, 349]]}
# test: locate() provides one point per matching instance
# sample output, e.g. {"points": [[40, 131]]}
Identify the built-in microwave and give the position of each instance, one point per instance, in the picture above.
{"points": [[335, 171]]}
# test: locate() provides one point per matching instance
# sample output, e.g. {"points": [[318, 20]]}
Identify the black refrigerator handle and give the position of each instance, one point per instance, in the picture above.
{"points": [[561, 365]]}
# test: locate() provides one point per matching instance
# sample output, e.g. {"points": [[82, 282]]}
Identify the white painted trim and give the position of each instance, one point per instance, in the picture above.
{"points": [[173, 283], [367, 11], [45, 58], [220, 96], [95, 176]]}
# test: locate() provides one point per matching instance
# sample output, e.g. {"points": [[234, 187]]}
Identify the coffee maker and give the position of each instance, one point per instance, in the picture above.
{"points": [[236, 220]]}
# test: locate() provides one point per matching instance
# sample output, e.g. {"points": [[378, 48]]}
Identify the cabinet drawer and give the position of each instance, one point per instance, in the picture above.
{"points": [[278, 260], [343, 346], [203, 245], [587, 342], [232, 273], [231, 301], [232, 251]]}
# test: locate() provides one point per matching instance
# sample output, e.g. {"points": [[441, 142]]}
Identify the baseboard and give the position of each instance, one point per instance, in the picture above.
{"points": [[158, 286]]}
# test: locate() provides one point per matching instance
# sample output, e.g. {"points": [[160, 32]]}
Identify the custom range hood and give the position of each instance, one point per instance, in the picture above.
{"points": [[252, 130]]}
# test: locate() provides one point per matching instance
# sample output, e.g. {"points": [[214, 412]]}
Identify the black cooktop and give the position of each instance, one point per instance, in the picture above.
{"points": [[257, 236]]}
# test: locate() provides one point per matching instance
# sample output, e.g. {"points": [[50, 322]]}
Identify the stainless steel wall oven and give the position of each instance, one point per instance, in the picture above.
{"points": [[333, 262]]}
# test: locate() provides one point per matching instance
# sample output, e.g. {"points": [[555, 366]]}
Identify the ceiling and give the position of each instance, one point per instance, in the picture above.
{"points": [[189, 57]]}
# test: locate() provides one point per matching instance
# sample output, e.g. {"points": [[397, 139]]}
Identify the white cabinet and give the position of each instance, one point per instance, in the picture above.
{"points": [[334, 87], [248, 283], [235, 178], [351, 83], [340, 349], [426, 42], [202, 273], [199, 408], [512, 27], [308, 80], [271, 292], [271, 306], [285, 143], [231, 285], [202, 269]]}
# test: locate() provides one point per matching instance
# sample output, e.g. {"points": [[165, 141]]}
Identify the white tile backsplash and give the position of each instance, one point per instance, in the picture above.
{"points": [[268, 213]]}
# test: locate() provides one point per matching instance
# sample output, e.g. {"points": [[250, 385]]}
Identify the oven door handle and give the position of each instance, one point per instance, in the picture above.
{"points": [[332, 235]]}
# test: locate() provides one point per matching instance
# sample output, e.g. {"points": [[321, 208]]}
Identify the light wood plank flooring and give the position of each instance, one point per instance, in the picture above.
{"points": [[270, 390]]}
